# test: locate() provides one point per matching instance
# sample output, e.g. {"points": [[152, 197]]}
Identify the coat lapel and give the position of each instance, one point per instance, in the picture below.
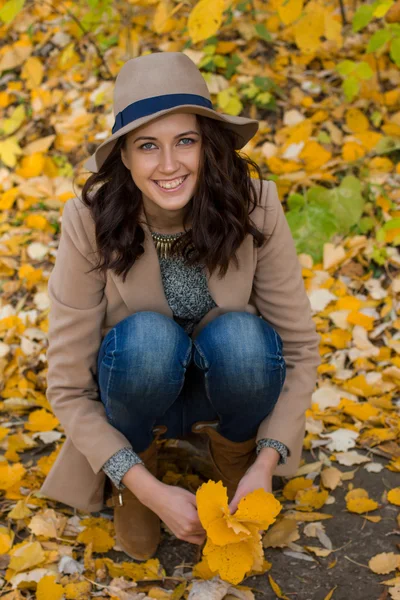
{"points": [[143, 288]]}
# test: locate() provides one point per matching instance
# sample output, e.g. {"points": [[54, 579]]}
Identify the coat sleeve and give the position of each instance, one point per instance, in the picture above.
{"points": [[77, 309], [280, 296]]}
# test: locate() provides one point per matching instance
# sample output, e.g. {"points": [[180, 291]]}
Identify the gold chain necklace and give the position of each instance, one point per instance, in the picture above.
{"points": [[163, 242]]}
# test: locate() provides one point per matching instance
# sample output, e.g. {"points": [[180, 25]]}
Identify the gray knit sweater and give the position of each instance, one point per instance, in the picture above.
{"points": [[187, 293]]}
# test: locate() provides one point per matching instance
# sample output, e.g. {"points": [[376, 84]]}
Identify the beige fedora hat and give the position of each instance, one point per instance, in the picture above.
{"points": [[156, 84]]}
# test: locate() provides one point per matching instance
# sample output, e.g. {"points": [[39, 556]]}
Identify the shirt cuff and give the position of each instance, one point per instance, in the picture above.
{"points": [[279, 447], [119, 463]]}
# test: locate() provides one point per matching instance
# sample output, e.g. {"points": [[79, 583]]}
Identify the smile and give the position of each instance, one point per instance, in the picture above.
{"points": [[172, 186]]}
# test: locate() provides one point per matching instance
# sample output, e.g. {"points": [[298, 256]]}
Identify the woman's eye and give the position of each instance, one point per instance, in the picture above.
{"points": [[151, 144]]}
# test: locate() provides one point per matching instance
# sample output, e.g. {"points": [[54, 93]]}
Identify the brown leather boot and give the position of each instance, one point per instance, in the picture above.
{"points": [[230, 459], [137, 528]]}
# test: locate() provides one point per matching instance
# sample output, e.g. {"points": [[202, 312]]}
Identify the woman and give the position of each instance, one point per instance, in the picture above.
{"points": [[146, 339]]}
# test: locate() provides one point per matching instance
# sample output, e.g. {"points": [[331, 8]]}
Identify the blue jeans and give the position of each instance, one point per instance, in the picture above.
{"points": [[146, 375]]}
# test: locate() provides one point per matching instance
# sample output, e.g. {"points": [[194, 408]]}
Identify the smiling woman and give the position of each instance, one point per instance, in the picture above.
{"points": [[142, 345], [166, 170]]}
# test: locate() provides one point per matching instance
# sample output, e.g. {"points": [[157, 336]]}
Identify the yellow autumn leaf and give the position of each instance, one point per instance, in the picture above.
{"points": [[8, 198], [376, 435], [202, 570], [48, 589], [229, 101], [356, 120], [205, 19], [3, 432], [36, 222], [151, 569], [353, 151], [384, 563], [231, 562], [394, 496], [32, 72], [212, 502], [361, 505], [41, 420], [314, 155], [308, 30], [9, 150], [10, 474], [48, 523], [20, 511], [162, 23], [290, 10], [13, 122], [361, 410], [276, 589], [358, 318], [258, 508], [359, 386], [77, 591], [306, 516], [309, 499], [32, 165], [6, 539], [294, 485], [281, 534], [357, 501], [26, 555], [338, 338], [101, 539]]}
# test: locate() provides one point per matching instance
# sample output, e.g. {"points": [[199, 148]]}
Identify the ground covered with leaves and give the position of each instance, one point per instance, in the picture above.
{"points": [[323, 80]]}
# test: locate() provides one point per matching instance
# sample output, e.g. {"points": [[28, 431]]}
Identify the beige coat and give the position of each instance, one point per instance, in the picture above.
{"points": [[84, 307]]}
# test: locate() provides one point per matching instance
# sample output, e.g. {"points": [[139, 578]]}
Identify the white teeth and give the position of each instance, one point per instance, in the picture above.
{"points": [[171, 184]]}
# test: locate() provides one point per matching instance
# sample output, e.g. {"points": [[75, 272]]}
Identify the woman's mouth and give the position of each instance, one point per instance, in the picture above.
{"points": [[171, 186]]}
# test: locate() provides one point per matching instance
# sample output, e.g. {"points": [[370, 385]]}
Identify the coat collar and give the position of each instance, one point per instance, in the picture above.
{"points": [[143, 286]]}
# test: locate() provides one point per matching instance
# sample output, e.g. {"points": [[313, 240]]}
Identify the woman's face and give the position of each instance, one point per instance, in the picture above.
{"points": [[165, 158]]}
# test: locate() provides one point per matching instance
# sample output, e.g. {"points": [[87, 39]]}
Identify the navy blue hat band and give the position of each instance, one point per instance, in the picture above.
{"points": [[148, 106]]}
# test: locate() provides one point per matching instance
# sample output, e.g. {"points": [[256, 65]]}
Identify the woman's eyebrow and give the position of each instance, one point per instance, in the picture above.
{"points": [[147, 137]]}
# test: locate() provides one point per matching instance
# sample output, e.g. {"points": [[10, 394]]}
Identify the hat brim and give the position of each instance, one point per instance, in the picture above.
{"points": [[244, 129]]}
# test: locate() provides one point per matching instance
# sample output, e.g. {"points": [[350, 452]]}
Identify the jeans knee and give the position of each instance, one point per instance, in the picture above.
{"points": [[239, 338]]}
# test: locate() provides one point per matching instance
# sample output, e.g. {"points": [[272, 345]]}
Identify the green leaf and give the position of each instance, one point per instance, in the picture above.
{"points": [[311, 227], [363, 16], [351, 87], [381, 7], [347, 202], [345, 67], [209, 49], [264, 83], [250, 91], [363, 70], [365, 224], [220, 61], [378, 40], [395, 51], [264, 98], [386, 145], [295, 201], [262, 32], [379, 255], [392, 224], [10, 10]]}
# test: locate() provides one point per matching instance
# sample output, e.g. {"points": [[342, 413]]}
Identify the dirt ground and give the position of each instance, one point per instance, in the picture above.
{"points": [[355, 541]]}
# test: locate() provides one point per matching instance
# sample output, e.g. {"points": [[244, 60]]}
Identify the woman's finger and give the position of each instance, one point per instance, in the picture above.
{"points": [[196, 539]]}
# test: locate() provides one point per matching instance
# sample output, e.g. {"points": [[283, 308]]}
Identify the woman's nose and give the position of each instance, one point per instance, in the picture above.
{"points": [[168, 161]]}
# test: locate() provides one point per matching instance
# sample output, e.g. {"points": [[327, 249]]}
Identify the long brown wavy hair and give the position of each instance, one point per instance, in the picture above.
{"points": [[219, 210]]}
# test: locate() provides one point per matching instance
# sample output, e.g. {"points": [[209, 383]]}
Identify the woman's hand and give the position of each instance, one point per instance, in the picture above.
{"points": [[177, 508], [259, 475], [174, 505]]}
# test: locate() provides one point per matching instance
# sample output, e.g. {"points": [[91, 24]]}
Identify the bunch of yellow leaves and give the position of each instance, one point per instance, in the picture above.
{"points": [[233, 547]]}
